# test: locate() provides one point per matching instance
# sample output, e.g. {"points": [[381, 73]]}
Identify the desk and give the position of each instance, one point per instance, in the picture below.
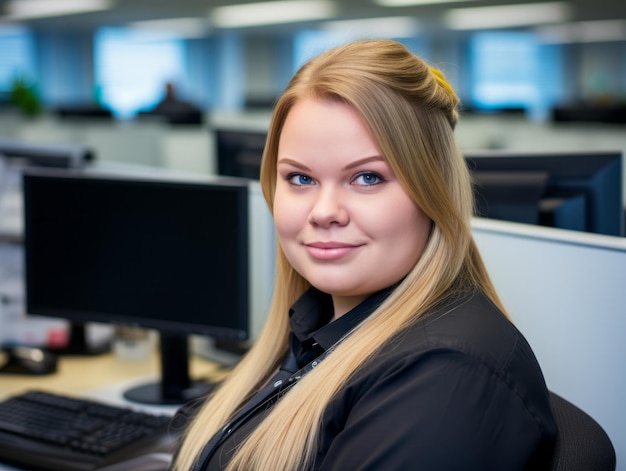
{"points": [[86, 375], [102, 377]]}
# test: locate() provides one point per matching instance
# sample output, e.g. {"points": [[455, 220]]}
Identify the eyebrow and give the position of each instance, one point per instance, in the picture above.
{"points": [[295, 163], [366, 160], [351, 165]]}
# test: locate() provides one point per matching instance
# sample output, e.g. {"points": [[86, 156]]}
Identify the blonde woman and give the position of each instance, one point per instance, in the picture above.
{"points": [[386, 346]]}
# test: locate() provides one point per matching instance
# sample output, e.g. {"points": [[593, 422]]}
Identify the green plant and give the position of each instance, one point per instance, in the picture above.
{"points": [[24, 96]]}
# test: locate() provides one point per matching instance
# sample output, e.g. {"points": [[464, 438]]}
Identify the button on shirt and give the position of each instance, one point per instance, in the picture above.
{"points": [[460, 389]]}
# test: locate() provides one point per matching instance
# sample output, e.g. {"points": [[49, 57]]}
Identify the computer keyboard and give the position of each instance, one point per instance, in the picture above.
{"points": [[44, 431]]}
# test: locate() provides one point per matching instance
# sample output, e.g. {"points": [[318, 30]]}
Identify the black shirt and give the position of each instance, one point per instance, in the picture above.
{"points": [[458, 390]]}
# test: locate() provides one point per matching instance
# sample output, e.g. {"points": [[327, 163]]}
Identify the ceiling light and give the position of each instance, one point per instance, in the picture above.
{"points": [[266, 13], [181, 27], [390, 27], [26, 9], [584, 32], [506, 15], [410, 3]]}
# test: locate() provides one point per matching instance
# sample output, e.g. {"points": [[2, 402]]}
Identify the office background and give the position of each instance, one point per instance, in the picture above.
{"points": [[511, 79], [555, 54], [512, 69], [545, 76]]}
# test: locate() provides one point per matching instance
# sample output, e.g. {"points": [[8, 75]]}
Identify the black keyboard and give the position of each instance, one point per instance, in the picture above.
{"points": [[51, 432]]}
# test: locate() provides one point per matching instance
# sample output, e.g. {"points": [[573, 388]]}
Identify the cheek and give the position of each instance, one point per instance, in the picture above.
{"points": [[287, 217], [405, 227]]}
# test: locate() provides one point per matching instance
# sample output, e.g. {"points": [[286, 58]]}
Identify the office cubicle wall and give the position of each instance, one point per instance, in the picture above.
{"points": [[566, 291]]}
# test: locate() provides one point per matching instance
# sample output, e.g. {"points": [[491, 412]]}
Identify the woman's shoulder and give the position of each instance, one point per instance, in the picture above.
{"points": [[456, 375], [471, 323], [470, 327]]}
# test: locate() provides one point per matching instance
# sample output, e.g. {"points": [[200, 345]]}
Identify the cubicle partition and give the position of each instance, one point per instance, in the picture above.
{"points": [[566, 291]]}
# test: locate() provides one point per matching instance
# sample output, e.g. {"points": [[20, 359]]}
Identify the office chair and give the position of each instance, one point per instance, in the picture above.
{"points": [[581, 444]]}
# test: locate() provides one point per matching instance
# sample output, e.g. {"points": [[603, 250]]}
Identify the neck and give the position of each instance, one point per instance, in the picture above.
{"points": [[343, 304]]}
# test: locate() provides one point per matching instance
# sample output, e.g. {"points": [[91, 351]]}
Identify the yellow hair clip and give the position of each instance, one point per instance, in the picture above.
{"points": [[441, 79]]}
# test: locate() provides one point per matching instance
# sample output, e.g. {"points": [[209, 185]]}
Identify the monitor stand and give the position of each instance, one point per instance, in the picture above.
{"points": [[175, 386], [78, 343]]}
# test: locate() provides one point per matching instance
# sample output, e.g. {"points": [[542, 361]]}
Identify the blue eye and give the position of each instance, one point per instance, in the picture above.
{"points": [[368, 179], [299, 179]]}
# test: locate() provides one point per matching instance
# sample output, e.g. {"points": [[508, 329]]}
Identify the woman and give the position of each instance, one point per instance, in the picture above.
{"points": [[386, 346]]}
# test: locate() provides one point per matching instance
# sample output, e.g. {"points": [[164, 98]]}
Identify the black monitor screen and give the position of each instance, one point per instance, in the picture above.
{"points": [[239, 152], [570, 190], [159, 254], [167, 255]]}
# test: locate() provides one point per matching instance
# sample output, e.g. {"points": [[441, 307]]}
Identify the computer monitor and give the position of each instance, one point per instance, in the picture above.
{"points": [[182, 256], [570, 190], [178, 118], [46, 154], [89, 112], [239, 152]]}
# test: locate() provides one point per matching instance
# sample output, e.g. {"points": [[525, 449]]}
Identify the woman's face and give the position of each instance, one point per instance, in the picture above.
{"points": [[342, 218]]}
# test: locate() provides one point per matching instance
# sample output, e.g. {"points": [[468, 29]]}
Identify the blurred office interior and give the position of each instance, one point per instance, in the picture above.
{"points": [[531, 76]]}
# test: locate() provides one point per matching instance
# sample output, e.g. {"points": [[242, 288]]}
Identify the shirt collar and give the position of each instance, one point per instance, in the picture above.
{"points": [[311, 313]]}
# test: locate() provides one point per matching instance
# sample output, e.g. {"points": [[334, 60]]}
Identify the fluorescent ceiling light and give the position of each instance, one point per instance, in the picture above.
{"points": [[584, 32], [181, 27], [411, 3], [390, 27], [267, 13], [506, 15], [26, 9]]}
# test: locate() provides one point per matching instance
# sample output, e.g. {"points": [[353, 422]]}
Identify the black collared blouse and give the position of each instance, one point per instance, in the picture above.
{"points": [[460, 390]]}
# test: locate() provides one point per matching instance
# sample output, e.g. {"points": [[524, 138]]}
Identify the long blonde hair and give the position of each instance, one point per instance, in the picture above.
{"points": [[411, 111]]}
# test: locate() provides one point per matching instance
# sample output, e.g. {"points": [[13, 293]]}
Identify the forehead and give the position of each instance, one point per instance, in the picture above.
{"points": [[325, 124], [311, 109]]}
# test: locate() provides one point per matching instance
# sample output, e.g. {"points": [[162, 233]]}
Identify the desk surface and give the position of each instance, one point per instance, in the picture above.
{"points": [[87, 375]]}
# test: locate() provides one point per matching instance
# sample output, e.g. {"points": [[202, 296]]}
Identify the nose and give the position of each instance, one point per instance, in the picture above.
{"points": [[328, 209]]}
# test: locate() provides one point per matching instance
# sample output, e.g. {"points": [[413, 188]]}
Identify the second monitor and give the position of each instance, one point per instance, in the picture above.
{"points": [[569, 190], [179, 256], [239, 151]]}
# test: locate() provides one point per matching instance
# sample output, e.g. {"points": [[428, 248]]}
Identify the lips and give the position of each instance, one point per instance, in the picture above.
{"points": [[329, 251]]}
